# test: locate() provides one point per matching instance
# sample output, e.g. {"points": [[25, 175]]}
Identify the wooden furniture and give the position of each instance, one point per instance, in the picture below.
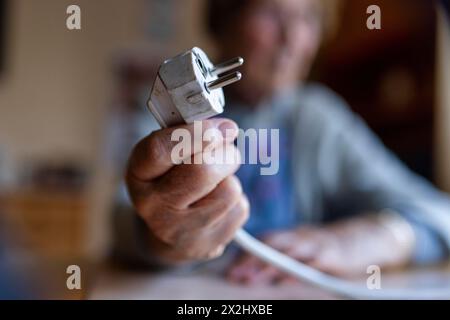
{"points": [[51, 224]]}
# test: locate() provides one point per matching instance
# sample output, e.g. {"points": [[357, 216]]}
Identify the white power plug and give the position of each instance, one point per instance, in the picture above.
{"points": [[188, 87]]}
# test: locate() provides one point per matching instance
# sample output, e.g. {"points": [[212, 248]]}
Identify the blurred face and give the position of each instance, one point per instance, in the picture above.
{"points": [[278, 39]]}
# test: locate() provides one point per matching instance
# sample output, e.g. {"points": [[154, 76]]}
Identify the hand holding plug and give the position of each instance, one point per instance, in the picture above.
{"points": [[192, 211]]}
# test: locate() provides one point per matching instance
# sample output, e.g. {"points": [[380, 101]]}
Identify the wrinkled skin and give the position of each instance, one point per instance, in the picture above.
{"points": [[192, 211]]}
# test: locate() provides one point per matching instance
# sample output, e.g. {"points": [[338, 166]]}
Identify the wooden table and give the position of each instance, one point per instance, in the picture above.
{"points": [[207, 284]]}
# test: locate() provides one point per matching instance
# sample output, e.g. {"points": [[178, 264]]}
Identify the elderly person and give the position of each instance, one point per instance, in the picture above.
{"points": [[340, 201]]}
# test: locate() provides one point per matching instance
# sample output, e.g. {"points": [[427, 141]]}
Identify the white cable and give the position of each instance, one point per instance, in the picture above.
{"points": [[327, 282]]}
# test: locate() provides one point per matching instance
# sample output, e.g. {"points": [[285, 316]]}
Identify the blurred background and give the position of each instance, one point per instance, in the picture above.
{"points": [[67, 100]]}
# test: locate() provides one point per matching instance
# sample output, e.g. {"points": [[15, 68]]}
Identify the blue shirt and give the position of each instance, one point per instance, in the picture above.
{"points": [[271, 196]]}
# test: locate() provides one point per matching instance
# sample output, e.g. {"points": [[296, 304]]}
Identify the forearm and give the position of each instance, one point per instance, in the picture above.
{"points": [[380, 237], [414, 241]]}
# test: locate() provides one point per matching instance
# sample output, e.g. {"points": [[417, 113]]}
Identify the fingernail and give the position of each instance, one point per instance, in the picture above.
{"points": [[228, 128]]}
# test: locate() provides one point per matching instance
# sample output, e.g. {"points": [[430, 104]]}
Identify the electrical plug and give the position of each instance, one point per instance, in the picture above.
{"points": [[188, 87]]}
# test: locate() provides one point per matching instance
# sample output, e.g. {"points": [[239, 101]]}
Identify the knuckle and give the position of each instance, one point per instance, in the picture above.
{"points": [[156, 148]]}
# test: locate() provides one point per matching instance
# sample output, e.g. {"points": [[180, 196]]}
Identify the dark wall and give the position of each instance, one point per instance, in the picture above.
{"points": [[387, 75], [446, 4]]}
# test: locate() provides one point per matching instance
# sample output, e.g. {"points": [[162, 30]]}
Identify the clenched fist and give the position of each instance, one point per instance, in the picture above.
{"points": [[192, 210]]}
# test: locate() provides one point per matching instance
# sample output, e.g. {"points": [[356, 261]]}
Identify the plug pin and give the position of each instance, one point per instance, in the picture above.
{"points": [[224, 81], [227, 66]]}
